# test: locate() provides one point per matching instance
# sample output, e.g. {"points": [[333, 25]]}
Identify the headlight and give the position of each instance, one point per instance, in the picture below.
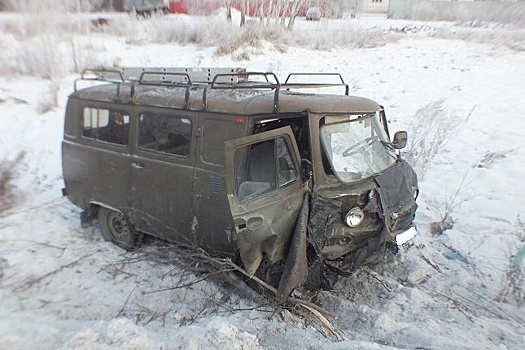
{"points": [[415, 192], [354, 217]]}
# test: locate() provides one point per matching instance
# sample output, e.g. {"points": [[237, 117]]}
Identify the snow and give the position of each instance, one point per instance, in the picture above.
{"points": [[64, 287]]}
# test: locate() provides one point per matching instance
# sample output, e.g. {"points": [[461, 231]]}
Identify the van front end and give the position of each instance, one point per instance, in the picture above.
{"points": [[349, 230], [364, 197]]}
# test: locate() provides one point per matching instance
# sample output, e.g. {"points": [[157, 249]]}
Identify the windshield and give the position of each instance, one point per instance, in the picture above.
{"points": [[356, 146]]}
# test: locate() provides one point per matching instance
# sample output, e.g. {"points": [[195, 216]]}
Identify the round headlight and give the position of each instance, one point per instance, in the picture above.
{"points": [[354, 217], [415, 192]]}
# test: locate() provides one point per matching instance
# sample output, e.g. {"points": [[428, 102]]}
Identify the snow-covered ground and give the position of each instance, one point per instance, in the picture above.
{"points": [[64, 287]]}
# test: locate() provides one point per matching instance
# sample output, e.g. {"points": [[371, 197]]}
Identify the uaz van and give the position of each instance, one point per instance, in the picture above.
{"points": [[288, 177]]}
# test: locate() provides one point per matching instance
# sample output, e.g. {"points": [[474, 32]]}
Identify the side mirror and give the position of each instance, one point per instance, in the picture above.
{"points": [[400, 140]]}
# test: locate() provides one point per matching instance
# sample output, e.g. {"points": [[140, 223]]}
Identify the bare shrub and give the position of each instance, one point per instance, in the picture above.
{"points": [[446, 209], [49, 100], [346, 36], [161, 30], [252, 36], [41, 57], [228, 38], [512, 289], [429, 133], [82, 55], [30, 6], [513, 39], [8, 172]]}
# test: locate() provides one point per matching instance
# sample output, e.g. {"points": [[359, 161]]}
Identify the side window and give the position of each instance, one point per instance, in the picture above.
{"points": [[263, 167], [106, 125], [165, 134]]}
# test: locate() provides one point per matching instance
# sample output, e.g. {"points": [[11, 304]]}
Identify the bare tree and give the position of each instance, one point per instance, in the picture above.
{"points": [[228, 5], [243, 12], [296, 8]]}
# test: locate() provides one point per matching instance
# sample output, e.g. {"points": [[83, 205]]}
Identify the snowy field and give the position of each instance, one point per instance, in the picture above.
{"points": [[457, 88]]}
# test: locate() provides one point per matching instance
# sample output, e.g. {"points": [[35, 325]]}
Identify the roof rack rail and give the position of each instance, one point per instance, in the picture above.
{"points": [[111, 75], [312, 85], [242, 80]]}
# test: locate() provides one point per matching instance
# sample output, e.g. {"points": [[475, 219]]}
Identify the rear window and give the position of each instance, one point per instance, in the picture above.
{"points": [[106, 125]]}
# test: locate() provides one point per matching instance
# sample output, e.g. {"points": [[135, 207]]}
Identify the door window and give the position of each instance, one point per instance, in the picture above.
{"points": [[263, 167], [165, 134]]}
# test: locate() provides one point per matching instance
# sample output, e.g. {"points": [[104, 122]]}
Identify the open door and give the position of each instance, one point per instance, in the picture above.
{"points": [[265, 194]]}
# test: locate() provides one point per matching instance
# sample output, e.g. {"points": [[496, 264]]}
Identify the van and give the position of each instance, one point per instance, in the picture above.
{"points": [[287, 178]]}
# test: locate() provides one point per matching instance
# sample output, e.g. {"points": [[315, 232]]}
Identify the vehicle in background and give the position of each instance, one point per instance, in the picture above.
{"points": [[313, 14], [289, 178], [146, 7]]}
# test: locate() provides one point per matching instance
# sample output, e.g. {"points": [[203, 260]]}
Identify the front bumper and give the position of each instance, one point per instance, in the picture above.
{"points": [[406, 236]]}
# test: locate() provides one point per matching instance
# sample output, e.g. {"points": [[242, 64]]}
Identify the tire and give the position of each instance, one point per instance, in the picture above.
{"points": [[116, 228]]}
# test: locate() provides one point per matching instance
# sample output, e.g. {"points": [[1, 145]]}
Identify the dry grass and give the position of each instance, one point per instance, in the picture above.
{"points": [[8, 191], [513, 286], [429, 132]]}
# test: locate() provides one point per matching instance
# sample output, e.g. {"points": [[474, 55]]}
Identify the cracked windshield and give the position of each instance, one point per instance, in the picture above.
{"points": [[356, 146]]}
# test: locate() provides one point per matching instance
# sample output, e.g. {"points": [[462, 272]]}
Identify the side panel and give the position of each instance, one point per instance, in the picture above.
{"points": [[162, 174], [215, 226], [96, 167]]}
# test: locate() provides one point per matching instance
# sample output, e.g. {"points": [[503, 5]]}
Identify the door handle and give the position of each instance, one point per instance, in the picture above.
{"points": [[240, 224], [137, 165]]}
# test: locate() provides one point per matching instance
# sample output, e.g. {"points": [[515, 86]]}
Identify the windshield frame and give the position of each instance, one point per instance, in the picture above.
{"points": [[371, 155]]}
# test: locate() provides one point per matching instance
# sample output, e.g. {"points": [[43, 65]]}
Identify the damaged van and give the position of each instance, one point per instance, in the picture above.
{"points": [[287, 177]]}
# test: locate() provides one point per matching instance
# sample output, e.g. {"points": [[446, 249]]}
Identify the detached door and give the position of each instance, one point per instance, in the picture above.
{"points": [[265, 193]]}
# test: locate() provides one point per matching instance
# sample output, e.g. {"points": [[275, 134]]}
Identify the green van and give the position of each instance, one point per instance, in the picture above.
{"points": [[289, 178]]}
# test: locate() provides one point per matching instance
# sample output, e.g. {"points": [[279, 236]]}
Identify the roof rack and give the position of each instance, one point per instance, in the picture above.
{"points": [[210, 78]]}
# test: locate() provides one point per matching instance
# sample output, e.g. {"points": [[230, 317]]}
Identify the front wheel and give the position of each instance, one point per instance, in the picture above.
{"points": [[116, 228]]}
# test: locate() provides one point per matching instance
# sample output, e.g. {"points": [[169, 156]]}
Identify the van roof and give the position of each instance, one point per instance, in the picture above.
{"points": [[237, 92]]}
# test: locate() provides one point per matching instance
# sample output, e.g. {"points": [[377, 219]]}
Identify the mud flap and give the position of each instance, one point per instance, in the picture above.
{"points": [[296, 268], [88, 217]]}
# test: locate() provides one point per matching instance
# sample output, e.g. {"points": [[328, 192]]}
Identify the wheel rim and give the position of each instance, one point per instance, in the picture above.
{"points": [[118, 226]]}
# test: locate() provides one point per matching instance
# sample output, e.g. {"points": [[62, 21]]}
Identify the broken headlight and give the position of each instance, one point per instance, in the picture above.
{"points": [[354, 217]]}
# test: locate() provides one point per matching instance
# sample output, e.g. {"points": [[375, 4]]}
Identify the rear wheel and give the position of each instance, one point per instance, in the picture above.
{"points": [[116, 228]]}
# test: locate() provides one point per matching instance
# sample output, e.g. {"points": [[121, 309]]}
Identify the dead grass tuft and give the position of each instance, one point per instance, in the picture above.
{"points": [[8, 192], [513, 285]]}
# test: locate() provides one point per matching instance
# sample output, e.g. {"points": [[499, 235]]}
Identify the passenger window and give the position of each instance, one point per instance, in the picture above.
{"points": [[263, 167], [165, 134], [106, 125]]}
